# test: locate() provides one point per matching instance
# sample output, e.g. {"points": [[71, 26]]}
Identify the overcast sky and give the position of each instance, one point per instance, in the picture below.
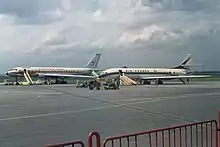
{"points": [[144, 33]]}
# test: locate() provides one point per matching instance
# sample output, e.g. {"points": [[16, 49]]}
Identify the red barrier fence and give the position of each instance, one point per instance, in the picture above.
{"points": [[69, 144], [200, 134], [219, 127]]}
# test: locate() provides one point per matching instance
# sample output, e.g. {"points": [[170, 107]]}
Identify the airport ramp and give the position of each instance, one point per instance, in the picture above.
{"points": [[126, 81]]}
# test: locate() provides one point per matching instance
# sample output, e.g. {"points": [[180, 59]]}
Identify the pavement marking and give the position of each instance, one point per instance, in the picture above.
{"points": [[168, 97], [105, 107]]}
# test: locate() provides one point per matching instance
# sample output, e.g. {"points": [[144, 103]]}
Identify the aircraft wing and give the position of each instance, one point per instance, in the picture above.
{"points": [[64, 75], [175, 77]]}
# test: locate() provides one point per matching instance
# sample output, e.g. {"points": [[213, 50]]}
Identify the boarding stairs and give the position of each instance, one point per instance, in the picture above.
{"points": [[28, 77], [126, 81]]}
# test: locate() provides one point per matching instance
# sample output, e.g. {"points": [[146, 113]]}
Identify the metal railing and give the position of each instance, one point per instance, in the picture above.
{"points": [[200, 134], [69, 144]]}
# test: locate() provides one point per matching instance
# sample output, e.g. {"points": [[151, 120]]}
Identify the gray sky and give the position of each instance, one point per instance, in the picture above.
{"points": [[147, 33]]}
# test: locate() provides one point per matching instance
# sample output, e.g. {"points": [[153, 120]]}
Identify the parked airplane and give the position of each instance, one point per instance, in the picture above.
{"points": [[89, 71], [178, 72]]}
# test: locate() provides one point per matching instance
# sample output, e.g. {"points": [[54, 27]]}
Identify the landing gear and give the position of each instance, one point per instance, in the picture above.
{"points": [[61, 81], [16, 81], [90, 87], [47, 81], [187, 80], [184, 82], [145, 82], [158, 82]]}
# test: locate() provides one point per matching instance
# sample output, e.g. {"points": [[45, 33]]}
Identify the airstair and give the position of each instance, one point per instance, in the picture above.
{"points": [[28, 77], [126, 81]]}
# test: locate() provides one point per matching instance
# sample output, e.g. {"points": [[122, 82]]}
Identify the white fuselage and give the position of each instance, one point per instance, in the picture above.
{"points": [[163, 71], [35, 71]]}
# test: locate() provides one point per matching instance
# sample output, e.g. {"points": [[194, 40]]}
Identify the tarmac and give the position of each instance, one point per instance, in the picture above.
{"points": [[38, 115]]}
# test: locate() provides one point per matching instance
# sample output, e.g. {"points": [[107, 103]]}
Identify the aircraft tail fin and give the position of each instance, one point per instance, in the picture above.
{"points": [[183, 64], [93, 63]]}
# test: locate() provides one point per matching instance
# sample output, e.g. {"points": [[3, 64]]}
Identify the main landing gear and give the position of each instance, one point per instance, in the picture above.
{"points": [[60, 81], [184, 82], [158, 82], [145, 82], [16, 81]]}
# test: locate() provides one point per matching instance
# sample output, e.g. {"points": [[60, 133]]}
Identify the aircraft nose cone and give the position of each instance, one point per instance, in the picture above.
{"points": [[6, 73]]}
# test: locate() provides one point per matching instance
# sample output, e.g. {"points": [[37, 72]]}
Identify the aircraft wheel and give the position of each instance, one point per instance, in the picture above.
{"points": [[90, 88], [148, 82], [160, 82], [145, 82]]}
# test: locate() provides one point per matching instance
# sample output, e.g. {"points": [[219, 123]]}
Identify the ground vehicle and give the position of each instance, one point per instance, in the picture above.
{"points": [[82, 85], [113, 85], [94, 84]]}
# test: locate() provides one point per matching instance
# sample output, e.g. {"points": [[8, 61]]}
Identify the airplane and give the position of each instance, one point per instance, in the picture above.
{"points": [[178, 72], [89, 71]]}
